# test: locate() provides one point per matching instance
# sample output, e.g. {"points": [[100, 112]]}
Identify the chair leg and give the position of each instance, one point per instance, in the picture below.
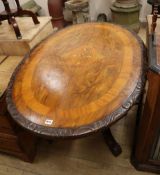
{"points": [[9, 21], [14, 24], [0, 19], [111, 142], [22, 12]]}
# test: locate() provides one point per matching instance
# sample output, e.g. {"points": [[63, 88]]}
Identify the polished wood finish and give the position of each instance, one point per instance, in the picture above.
{"points": [[13, 139], [80, 80], [149, 125], [55, 8], [148, 128]]}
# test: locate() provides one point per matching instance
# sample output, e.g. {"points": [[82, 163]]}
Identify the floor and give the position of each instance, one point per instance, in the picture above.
{"points": [[87, 156]]}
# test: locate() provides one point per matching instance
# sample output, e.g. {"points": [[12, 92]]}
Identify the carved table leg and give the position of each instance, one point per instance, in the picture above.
{"points": [[111, 142]]}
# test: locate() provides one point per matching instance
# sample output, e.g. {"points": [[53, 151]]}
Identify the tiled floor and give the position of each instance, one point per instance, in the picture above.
{"points": [[87, 156]]}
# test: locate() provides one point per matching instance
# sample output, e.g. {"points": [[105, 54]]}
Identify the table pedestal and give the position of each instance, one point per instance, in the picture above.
{"points": [[111, 142]]}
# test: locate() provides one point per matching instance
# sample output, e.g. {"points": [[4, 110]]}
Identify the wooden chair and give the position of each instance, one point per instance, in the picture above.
{"points": [[9, 15]]}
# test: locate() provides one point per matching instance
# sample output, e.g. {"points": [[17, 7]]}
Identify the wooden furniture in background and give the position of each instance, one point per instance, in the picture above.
{"points": [[9, 15], [13, 139], [155, 12], [73, 85], [146, 154], [56, 11], [153, 3], [32, 35]]}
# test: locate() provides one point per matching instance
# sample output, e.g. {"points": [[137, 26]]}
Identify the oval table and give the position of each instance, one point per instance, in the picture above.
{"points": [[78, 81]]}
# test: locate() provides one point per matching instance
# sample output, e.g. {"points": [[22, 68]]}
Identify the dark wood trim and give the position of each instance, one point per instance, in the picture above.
{"points": [[3, 59], [147, 128], [84, 130], [3, 103], [15, 140], [147, 135], [144, 166]]}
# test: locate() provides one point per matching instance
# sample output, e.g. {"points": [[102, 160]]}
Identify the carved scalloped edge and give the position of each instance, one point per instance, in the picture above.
{"points": [[83, 130]]}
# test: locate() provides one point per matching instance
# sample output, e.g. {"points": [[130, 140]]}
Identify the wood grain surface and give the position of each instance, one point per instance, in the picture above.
{"points": [[79, 80]]}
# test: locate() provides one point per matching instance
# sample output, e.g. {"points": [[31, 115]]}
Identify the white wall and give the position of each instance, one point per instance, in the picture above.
{"points": [[100, 6], [96, 7], [44, 5], [11, 4]]}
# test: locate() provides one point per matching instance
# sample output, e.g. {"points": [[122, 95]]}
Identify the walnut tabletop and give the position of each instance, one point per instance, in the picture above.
{"points": [[81, 79]]}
